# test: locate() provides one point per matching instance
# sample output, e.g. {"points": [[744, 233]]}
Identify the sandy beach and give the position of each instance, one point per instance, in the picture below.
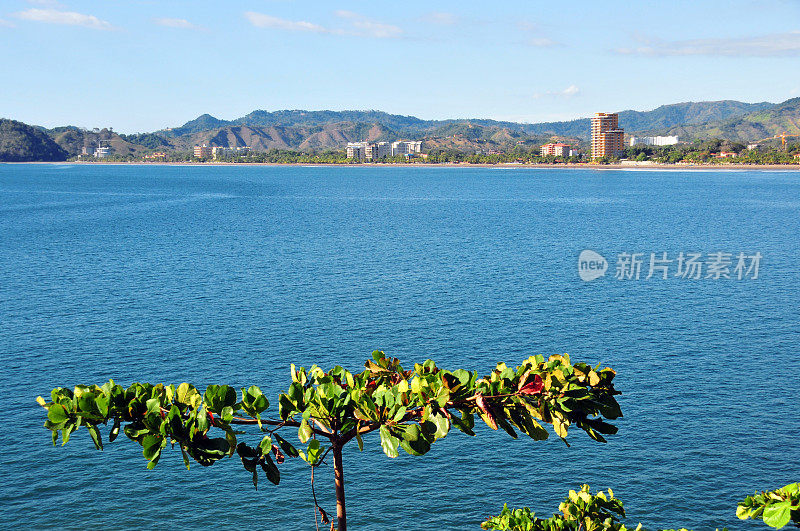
{"points": [[585, 166]]}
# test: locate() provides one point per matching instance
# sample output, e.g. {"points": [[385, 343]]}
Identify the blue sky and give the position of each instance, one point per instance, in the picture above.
{"points": [[147, 64]]}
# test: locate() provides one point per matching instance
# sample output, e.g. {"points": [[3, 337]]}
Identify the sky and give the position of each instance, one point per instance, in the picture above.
{"points": [[143, 65]]}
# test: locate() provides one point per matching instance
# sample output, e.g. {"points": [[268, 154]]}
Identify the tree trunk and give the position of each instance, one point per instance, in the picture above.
{"points": [[338, 477]]}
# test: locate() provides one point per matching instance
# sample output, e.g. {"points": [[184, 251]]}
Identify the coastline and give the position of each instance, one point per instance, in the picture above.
{"points": [[585, 166]]}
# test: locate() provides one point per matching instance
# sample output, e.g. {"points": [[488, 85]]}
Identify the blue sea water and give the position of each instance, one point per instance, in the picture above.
{"points": [[229, 274]]}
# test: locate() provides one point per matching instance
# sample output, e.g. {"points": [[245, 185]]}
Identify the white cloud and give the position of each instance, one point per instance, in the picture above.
{"points": [[571, 90], [359, 26], [440, 19], [260, 20], [568, 92], [772, 45], [180, 23], [6, 24], [369, 28], [67, 18]]}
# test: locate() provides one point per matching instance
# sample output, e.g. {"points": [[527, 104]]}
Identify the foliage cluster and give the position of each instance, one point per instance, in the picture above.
{"points": [[410, 409], [776, 508], [582, 510]]}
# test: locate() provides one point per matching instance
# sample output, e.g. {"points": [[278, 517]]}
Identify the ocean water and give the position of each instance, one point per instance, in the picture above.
{"points": [[229, 274]]}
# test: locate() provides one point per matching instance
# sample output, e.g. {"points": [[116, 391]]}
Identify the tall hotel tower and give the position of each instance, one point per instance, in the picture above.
{"points": [[607, 137]]}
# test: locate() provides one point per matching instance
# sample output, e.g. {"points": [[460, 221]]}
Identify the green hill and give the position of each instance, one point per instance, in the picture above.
{"points": [[751, 127], [74, 139], [20, 142]]}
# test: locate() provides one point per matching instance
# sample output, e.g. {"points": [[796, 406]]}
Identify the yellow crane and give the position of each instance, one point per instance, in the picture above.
{"points": [[783, 136]]}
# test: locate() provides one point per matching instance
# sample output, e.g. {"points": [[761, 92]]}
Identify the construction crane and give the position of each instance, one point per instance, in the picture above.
{"points": [[783, 136]]}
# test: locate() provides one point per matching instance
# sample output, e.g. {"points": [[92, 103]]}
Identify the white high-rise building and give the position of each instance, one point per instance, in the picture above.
{"points": [[356, 150], [368, 150], [406, 147], [378, 151]]}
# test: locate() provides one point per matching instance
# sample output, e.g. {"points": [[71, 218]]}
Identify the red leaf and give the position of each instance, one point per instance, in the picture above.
{"points": [[486, 409], [279, 457], [323, 515], [533, 388]]}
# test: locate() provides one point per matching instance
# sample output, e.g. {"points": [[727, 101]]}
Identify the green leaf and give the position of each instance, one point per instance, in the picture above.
{"points": [[285, 407], [57, 414], [442, 425], [265, 444], [102, 405], [66, 431], [218, 397], [153, 462], [314, 452], [151, 446], [94, 432], [389, 443], [287, 448], [777, 514], [414, 441], [401, 412], [304, 432]]}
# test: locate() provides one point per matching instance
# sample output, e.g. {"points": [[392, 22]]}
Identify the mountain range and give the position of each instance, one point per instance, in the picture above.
{"points": [[315, 129], [324, 130]]}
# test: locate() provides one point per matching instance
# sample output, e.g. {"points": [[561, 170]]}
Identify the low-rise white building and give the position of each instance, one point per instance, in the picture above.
{"points": [[654, 140]]}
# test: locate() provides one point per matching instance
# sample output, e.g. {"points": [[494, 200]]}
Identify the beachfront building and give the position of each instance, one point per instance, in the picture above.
{"points": [[202, 152], [102, 152], [406, 147], [607, 137], [654, 140], [377, 150], [356, 150], [556, 150], [218, 151], [368, 150]]}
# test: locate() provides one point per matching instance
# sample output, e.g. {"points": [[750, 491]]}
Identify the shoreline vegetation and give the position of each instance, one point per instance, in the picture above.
{"points": [[506, 165]]}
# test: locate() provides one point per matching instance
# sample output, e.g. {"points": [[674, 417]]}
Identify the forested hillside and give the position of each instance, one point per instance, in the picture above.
{"points": [[20, 142]]}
